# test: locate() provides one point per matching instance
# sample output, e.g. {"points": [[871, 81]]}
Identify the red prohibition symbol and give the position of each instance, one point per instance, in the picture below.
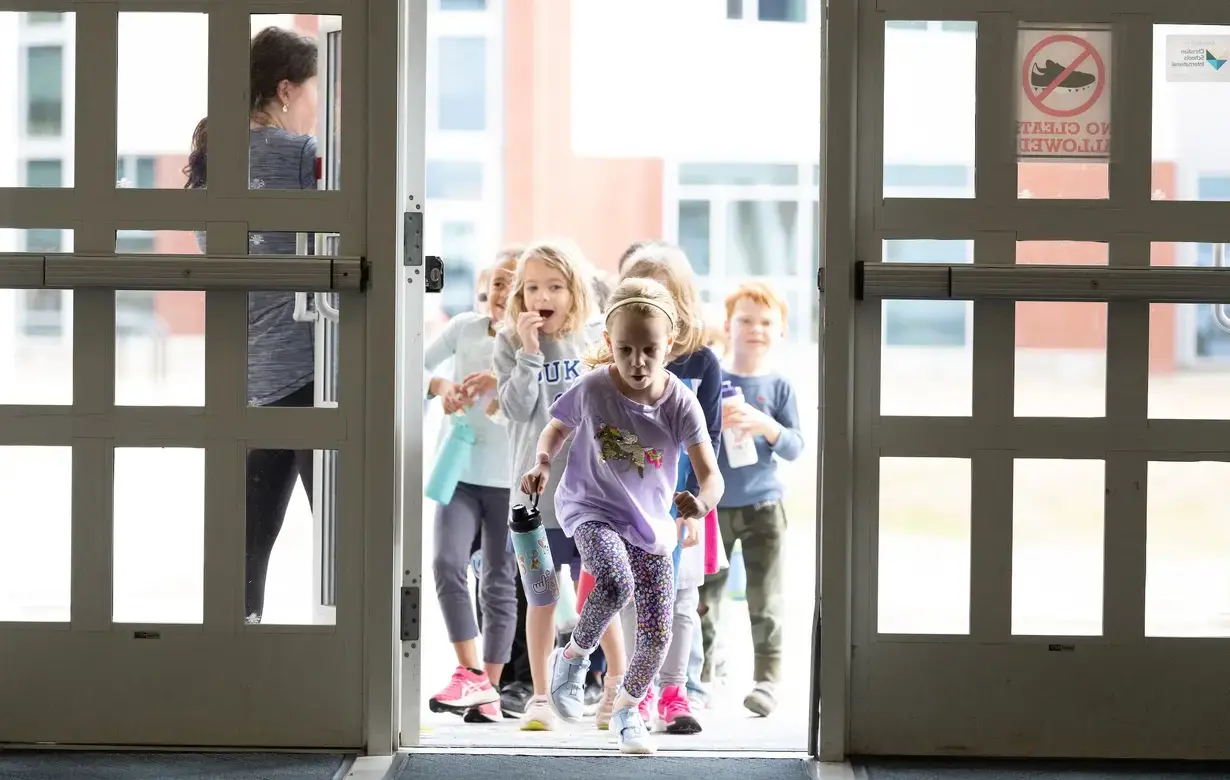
{"points": [[1087, 51]]}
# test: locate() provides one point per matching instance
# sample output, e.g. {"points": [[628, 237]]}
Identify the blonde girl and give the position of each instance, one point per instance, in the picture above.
{"points": [[632, 419], [701, 371], [538, 357]]}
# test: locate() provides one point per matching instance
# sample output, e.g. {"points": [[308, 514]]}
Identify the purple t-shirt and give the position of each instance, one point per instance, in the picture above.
{"points": [[624, 460]]}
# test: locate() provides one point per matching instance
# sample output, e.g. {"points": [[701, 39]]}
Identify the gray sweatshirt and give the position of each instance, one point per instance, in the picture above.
{"points": [[527, 386]]}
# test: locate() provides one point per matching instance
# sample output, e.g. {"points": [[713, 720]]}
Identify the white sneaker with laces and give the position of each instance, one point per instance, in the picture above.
{"points": [[539, 716]]}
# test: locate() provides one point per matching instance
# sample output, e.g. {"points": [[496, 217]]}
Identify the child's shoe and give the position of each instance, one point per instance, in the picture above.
{"points": [[631, 732], [675, 714], [484, 713], [466, 689], [647, 710], [761, 700], [567, 684], [610, 689], [538, 716]]}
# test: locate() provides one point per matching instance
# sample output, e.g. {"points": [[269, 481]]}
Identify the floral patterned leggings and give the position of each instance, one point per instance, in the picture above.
{"points": [[620, 571]]}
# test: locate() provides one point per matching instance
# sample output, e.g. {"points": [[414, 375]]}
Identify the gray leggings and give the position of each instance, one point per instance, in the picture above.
{"points": [[476, 510]]}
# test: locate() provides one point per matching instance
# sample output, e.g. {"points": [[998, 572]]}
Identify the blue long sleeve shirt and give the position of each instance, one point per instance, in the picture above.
{"points": [[759, 482]]}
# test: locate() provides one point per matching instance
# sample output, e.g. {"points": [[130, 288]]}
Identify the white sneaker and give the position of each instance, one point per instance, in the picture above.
{"points": [[631, 732], [539, 716]]}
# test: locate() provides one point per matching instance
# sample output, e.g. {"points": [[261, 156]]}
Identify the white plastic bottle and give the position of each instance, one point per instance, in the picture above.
{"points": [[738, 446]]}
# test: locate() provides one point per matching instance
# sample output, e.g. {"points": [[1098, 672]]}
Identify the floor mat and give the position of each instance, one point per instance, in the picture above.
{"points": [[906, 769], [452, 766], [104, 765]]}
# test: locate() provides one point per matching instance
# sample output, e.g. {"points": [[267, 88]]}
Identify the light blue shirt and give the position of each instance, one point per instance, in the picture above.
{"points": [[468, 341]]}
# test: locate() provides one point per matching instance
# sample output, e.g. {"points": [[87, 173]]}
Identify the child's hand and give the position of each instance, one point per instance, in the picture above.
{"points": [[478, 384], [527, 328], [454, 400], [689, 530], [689, 505], [535, 480], [749, 419]]}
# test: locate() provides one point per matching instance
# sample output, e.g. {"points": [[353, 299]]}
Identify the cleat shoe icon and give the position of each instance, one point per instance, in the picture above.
{"points": [[1041, 78]]}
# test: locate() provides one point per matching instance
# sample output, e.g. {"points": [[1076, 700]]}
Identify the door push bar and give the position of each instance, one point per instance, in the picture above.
{"points": [[937, 281]]}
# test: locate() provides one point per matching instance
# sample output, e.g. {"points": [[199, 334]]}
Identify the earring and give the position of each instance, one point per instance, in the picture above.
{"points": [[285, 108]]}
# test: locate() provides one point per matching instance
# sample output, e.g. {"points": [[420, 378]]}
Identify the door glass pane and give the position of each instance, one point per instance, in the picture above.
{"points": [[459, 249], [1057, 534], [1060, 346], [159, 547], [461, 73], [1187, 590], [926, 352], [36, 342], [1188, 94], [289, 565], [924, 546], [159, 334], [287, 151], [928, 159], [159, 54], [292, 336], [1189, 347], [35, 554]]}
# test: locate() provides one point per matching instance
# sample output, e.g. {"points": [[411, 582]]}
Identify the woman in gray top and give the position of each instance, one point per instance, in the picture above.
{"points": [[281, 351]]}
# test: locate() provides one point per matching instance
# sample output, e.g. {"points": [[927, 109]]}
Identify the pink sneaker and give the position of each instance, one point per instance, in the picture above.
{"points": [[646, 708], [675, 713], [491, 712], [466, 689]]}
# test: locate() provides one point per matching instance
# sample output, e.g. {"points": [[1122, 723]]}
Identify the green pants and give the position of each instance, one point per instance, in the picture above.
{"points": [[762, 530]]}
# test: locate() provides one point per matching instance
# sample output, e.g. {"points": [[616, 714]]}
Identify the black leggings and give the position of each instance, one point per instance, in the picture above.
{"points": [[271, 482]]}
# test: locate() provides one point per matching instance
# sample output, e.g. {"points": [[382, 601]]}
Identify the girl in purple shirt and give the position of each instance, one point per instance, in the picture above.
{"points": [[632, 419]]}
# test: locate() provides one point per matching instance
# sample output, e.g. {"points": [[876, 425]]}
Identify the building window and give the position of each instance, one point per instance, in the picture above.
{"points": [[138, 172], [463, 5], [43, 240], [459, 251], [782, 10], [767, 10], [44, 90], [462, 75], [738, 174], [44, 17], [964, 27], [900, 24], [134, 242], [42, 313], [454, 180], [694, 233], [762, 238], [44, 173]]}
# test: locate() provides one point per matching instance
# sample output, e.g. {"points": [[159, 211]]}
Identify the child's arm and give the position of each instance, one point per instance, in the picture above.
{"points": [[549, 443], [789, 442], [708, 475], [440, 350], [516, 379]]}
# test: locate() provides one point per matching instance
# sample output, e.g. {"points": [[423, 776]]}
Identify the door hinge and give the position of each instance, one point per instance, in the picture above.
{"points": [[410, 614], [412, 239]]}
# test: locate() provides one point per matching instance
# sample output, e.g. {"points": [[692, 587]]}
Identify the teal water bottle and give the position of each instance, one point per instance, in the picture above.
{"points": [[451, 461], [529, 538]]}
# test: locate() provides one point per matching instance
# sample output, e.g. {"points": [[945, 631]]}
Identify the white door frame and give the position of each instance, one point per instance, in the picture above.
{"points": [[221, 682], [409, 220], [991, 692]]}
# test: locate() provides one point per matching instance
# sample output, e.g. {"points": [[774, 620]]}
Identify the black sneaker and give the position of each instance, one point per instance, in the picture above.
{"points": [[515, 698], [1041, 78], [593, 695]]}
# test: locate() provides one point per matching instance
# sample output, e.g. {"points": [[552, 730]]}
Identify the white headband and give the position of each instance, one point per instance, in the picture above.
{"points": [[647, 301]]}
